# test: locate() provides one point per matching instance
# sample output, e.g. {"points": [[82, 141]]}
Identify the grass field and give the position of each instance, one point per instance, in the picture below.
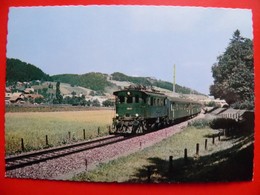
{"points": [[34, 126], [225, 160], [127, 168]]}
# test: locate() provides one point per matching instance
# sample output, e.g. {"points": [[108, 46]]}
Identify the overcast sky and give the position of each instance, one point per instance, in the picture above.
{"points": [[134, 40]]}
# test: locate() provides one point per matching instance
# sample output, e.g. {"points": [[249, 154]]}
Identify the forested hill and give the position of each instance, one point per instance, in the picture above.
{"points": [[148, 81], [100, 82], [16, 70]]}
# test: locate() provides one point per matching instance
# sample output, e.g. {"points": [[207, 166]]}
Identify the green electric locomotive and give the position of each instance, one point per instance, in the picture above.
{"points": [[139, 110]]}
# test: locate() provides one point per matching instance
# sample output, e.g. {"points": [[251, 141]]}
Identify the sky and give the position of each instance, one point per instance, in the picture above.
{"points": [[135, 40]]}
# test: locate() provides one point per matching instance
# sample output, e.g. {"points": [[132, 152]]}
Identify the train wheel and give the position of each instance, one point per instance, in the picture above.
{"points": [[141, 129], [144, 126], [129, 129], [154, 126], [138, 130], [119, 129]]}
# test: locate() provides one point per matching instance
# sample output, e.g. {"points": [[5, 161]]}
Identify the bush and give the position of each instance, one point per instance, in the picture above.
{"points": [[200, 123], [223, 123], [247, 105]]}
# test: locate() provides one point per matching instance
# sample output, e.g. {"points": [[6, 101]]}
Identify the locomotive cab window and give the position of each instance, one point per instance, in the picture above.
{"points": [[136, 99], [129, 100], [121, 99], [142, 99]]}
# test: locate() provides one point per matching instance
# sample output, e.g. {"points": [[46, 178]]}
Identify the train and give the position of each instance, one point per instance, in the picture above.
{"points": [[140, 110]]}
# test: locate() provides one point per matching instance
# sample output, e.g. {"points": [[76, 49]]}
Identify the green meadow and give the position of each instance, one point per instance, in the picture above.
{"points": [[60, 127]]}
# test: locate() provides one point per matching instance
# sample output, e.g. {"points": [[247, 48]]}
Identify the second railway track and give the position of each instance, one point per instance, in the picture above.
{"points": [[22, 160]]}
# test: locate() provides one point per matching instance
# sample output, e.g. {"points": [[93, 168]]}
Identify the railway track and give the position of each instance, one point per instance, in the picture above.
{"points": [[22, 160], [30, 158]]}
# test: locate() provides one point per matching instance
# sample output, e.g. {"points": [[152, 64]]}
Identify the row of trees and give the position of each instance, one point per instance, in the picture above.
{"points": [[233, 73]]}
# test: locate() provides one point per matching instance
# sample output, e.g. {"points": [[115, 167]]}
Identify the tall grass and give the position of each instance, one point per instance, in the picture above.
{"points": [[34, 126]]}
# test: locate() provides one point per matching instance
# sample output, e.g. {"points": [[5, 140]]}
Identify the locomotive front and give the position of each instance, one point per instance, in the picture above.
{"points": [[139, 110], [130, 111]]}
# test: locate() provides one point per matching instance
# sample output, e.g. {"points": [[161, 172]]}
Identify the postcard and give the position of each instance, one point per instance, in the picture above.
{"points": [[129, 94]]}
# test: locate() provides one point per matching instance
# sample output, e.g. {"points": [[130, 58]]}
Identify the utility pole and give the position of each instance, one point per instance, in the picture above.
{"points": [[174, 78]]}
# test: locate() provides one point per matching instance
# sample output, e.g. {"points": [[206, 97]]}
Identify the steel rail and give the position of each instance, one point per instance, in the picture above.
{"points": [[22, 160]]}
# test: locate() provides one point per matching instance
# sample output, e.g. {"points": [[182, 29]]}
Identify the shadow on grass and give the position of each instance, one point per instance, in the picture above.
{"points": [[233, 164]]}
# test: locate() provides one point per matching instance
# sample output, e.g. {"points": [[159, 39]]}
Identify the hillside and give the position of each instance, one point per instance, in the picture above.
{"points": [[148, 81], [16, 70], [105, 83], [92, 80]]}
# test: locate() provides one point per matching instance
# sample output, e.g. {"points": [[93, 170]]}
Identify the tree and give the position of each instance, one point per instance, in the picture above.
{"points": [[108, 103], [73, 93], [58, 94], [96, 103], [82, 100], [234, 72], [39, 100]]}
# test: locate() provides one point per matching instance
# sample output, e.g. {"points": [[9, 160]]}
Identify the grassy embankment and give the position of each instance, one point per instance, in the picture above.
{"points": [[226, 160], [34, 126]]}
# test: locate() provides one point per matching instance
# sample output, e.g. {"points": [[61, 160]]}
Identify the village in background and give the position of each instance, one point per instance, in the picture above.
{"points": [[36, 93]]}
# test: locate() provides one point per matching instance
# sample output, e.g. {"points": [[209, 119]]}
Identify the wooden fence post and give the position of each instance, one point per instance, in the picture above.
{"points": [[69, 135], [84, 134], [46, 140], [218, 136], [185, 155], [149, 174], [98, 130], [22, 145], [170, 165], [170, 170], [206, 144], [197, 149], [213, 139]]}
